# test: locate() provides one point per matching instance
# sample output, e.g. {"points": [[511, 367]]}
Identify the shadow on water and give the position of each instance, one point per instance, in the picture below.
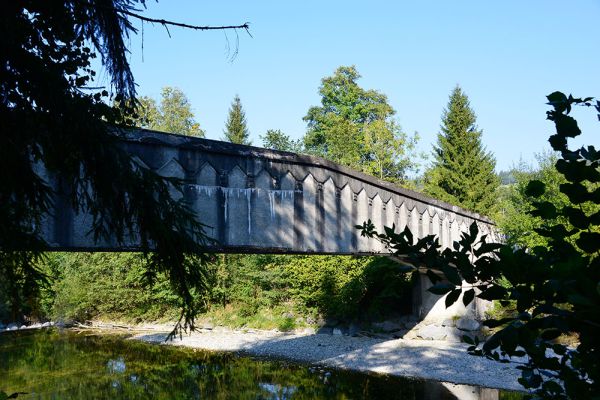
{"points": [[50, 364]]}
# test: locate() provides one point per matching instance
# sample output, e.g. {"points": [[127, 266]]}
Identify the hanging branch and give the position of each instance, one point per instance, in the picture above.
{"points": [[166, 23]]}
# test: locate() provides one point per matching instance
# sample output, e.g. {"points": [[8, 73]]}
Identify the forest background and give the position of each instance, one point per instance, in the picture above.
{"points": [[353, 126]]}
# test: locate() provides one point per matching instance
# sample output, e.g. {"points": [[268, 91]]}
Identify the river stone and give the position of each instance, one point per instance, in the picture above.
{"points": [[325, 330], [337, 332], [467, 324], [448, 322], [388, 326], [400, 334], [454, 335], [353, 330], [208, 326], [433, 332]]}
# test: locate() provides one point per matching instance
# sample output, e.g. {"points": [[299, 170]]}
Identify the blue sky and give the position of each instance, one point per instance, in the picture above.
{"points": [[506, 55]]}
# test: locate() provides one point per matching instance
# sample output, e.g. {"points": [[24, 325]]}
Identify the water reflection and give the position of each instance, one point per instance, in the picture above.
{"points": [[116, 366], [49, 364]]}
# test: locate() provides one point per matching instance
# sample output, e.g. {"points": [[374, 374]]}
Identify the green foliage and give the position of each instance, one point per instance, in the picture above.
{"points": [[515, 219], [462, 172], [259, 291], [277, 140], [110, 285], [173, 114], [349, 287], [354, 127], [236, 130], [555, 289], [21, 284]]}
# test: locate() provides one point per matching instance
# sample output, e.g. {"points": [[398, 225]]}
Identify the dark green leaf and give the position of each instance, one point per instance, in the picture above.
{"points": [[589, 242], [557, 142], [545, 210], [487, 248], [556, 98], [433, 277], [576, 192], [552, 387], [535, 188], [494, 323], [550, 334], [474, 230], [493, 293], [468, 297], [441, 288], [451, 274], [576, 217], [452, 297], [492, 342], [567, 126]]}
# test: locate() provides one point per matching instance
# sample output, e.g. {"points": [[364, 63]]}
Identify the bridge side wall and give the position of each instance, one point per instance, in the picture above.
{"points": [[257, 200]]}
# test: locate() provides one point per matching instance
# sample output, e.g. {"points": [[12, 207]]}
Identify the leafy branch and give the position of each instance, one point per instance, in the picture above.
{"points": [[555, 290]]}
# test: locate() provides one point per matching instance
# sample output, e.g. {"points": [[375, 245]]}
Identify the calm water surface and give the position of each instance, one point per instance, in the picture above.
{"points": [[48, 364]]}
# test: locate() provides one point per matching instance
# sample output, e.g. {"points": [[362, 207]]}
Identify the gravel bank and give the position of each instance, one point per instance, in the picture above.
{"points": [[442, 361]]}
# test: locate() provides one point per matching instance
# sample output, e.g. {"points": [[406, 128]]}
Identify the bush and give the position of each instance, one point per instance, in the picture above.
{"points": [[110, 285]]}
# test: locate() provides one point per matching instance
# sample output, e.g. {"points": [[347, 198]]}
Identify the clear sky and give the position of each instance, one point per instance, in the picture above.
{"points": [[506, 55]]}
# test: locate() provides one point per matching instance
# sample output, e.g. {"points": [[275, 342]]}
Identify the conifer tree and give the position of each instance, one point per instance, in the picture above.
{"points": [[236, 130], [463, 171]]}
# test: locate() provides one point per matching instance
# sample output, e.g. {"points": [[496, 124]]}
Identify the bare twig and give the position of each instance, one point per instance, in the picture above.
{"points": [[165, 23]]}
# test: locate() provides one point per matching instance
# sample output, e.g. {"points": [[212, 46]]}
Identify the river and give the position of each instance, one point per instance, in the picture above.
{"points": [[63, 364]]}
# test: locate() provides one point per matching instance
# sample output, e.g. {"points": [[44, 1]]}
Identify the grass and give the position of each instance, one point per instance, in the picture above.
{"points": [[235, 316]]}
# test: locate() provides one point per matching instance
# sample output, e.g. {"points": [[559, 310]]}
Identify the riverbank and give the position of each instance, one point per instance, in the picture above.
{"points": [[426, 359], [437, 360]]}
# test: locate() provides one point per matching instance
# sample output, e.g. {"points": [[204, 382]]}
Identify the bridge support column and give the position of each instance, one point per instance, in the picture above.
{"points": [[432, 307], [440, 323]]}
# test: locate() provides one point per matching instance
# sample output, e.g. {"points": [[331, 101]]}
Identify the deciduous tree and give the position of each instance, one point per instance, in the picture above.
{"points": [[173, 114], [514, 218], [355, 127], [277, 140]]}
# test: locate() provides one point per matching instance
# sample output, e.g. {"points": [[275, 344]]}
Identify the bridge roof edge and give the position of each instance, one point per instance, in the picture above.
{"points": [[147, 136]]}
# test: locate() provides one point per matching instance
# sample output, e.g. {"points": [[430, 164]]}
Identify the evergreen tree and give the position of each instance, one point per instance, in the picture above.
{"points": [[47, 104], [236, 130], [463, 171]]}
